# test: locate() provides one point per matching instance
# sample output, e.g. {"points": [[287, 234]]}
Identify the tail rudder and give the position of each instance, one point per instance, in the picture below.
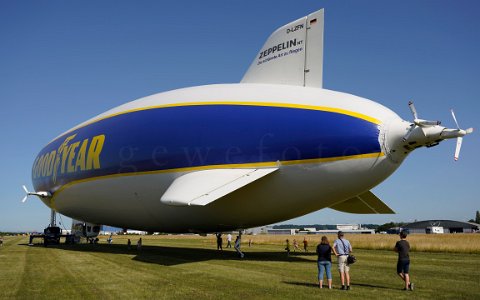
{"points": [[292, 55]]}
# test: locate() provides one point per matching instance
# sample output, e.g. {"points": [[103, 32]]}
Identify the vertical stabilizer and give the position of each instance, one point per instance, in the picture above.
{"points": [[292, 55], [314, 52]]}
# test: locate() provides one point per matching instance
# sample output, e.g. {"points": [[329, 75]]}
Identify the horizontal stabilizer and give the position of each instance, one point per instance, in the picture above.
{"points": [[366, 203], [204, 187]]}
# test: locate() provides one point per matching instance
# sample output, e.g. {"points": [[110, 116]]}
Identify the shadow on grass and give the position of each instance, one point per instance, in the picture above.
{"points": [[169, 256], [375, 286], [315, 285], [301, 283]]}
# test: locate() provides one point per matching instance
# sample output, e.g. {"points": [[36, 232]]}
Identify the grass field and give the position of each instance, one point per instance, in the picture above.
{"points": [[454, 243], [190, 267]]}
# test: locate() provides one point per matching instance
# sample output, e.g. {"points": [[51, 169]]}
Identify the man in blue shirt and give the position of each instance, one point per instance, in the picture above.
{"points": [[342, 248]]}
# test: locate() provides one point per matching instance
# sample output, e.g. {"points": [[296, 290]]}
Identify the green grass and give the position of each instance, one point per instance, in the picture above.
{"points": [[190, 267]]}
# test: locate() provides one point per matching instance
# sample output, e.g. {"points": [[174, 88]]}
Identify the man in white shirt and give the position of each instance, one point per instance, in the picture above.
{"points": [[342, 248]]}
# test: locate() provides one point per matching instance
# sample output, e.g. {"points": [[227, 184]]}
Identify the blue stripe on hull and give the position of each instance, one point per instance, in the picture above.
{"points": [[194, 136]]}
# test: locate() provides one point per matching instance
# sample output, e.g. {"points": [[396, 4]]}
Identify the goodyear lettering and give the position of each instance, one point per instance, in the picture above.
{"points": [[34, 167], [70, 157], [93, 159], [51, 161], [37, 169], [80, 164], [65, 151], [279, 47], [44, 164]]}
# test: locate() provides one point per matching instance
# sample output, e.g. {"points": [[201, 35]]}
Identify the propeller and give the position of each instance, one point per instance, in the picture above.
{"points": [[432, 133], [461, 133], [458, 147], [27, 194], [412, 109], [38, 194], [417, 122]]}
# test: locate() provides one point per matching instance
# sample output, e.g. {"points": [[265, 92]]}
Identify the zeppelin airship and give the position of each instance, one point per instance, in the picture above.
{"points": [[230, 156]]}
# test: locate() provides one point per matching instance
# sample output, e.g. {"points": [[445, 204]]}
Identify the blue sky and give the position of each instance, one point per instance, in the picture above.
{"points": [[62, 62]]}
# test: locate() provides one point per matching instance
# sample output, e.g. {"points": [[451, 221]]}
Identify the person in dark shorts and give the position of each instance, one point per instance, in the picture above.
{"points": [[219, 241], [287, 247], [324, 261], [402, 247]]}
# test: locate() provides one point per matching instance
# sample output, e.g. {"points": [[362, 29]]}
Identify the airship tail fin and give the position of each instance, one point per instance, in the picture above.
{"points": [[292, 55], [366, 203]]}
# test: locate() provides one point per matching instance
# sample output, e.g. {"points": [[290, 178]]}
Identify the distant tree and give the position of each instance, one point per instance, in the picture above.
{"points": [[370, 226], [477, 217], [387, 226]]}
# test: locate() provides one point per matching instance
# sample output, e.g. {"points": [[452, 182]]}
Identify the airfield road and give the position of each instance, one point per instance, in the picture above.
{"points": [[189, 266]]}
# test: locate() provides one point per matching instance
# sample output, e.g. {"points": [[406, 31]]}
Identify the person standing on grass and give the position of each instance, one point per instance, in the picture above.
{"points": [[139, 244], [305, 244], [1, 241], [238, 244], [295, 245], [229, 240], [342, 248], [219, 241], [402, 247], [287, 247], [324, 261], [129, 243]]}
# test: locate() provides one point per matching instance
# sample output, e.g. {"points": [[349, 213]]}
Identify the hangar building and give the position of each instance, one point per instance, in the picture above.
{"points": [[441, 226]]}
